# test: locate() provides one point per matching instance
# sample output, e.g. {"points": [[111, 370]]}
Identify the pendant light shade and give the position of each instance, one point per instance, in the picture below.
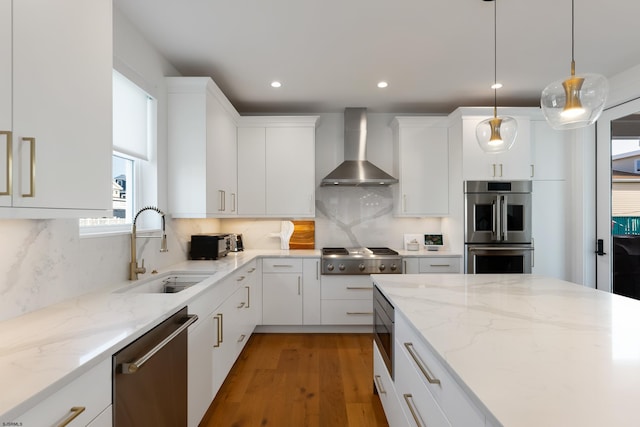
{"points": [[576, 101], [496, 134]]}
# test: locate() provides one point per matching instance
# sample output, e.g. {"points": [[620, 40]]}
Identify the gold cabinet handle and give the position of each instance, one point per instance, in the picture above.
{"points": [[439, 265], [9, 171], [221, 201], [32, 166], [240, 279], [251, 270], [242, 337], [241, 305], [359, 313], [218, 317], [75, 411], [299, 286], [233, 202], [381, 389], [421, 364], [359, 288], [248, 288], [414, 411]]}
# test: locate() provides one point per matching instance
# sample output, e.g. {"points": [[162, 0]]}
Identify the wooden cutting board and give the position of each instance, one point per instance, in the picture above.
{"points": [[304, 235]]}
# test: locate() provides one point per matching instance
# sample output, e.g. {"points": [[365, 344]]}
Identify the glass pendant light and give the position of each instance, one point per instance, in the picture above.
{"points": [[497, 134], [576, 101]]}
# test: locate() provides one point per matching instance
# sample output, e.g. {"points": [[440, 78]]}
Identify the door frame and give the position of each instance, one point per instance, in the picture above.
{"points": [[604, 263]]}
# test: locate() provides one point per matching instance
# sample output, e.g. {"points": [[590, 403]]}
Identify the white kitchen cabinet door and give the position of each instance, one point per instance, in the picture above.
{"points": [[290, 173], [202, 137], [91, 392], [422, 151], [251, 171], [200, 369], [549, 220], [383, 383], [311, 291], [5, 99], [551, 151], [62, 105], [225, 319], [515, 164], [410, 265], [282, 299]]}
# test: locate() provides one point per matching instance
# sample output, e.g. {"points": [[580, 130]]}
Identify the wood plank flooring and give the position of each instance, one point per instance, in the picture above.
{"points": [[315, 380]]}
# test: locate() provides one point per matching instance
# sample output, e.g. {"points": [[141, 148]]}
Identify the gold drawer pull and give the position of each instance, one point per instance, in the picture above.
{"points": [[218, 317], [360, 288], [9, 162], [248, 288], [421, 364], [241, 304], [440, 265], [75, 411], [242, 337], [414, 411], [240, 279], [32, 167], [359, 313], [381, 389]]}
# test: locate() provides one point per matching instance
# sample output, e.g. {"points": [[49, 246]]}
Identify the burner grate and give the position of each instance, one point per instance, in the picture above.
{"points": [[382, 251], [334, 251]]}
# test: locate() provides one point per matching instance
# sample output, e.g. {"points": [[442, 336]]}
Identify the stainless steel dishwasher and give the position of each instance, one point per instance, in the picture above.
{"points": [[150, 376]]}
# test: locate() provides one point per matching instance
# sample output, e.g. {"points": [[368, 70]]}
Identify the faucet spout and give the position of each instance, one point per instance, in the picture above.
{"points": [[134, 269]]}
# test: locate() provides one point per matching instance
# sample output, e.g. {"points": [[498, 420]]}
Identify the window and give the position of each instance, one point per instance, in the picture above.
{"points": [[134, 121]]}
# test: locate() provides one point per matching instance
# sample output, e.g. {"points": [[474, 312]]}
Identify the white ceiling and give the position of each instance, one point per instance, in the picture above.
{"points": [[436, 55]]}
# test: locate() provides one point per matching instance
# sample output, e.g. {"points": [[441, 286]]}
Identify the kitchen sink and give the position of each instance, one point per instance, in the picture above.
{"points": [[167, 283]]}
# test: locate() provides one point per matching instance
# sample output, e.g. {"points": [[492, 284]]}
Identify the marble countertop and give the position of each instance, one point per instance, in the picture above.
{"points": [[44, 350], [534, 351]]}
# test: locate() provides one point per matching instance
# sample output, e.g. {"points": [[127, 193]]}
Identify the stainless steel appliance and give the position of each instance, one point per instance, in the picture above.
{"points": [[150, 376], [372, 260], [498, 227], [236, 243], [210, 246], [383, 322]]}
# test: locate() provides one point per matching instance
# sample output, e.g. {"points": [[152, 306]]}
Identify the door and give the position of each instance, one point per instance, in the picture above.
{"points": [[610, 127]]}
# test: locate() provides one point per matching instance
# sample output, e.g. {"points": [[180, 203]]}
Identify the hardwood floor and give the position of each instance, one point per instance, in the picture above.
{"points": [[316, 380]]}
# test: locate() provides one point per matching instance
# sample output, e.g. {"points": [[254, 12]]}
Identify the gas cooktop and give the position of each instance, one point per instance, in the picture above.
{"points": [[369, 260]]}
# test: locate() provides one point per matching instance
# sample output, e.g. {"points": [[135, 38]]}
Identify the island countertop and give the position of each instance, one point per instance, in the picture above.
{"points": [[533, 351]]}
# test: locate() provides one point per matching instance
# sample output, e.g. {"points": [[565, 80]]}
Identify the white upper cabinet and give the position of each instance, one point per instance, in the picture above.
{"points": [[514, 164], [202, 149], [276, 166], [55, 108], [422, 151], [550, 151]]}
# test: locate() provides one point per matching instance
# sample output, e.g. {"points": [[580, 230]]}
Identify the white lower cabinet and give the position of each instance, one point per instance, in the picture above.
{"points": [[436, 395], [387, 391], [105, 419], [227, 315], [347, 300], [291, 291], [417, 402], [79, 403], [431, 264]]}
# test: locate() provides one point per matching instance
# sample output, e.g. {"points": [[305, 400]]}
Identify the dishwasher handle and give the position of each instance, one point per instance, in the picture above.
{"points": [[132, 368]]}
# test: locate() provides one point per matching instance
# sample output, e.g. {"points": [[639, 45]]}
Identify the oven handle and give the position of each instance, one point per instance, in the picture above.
{"points": [[495, 226], [500, 248], [503, 210]]}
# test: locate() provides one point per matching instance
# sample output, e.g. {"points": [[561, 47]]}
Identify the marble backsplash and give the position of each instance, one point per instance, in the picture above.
{"points": [[46, 261]]}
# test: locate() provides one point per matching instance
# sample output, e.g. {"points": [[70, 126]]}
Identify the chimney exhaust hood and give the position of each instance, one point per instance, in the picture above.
{"points": [[356, 170]]}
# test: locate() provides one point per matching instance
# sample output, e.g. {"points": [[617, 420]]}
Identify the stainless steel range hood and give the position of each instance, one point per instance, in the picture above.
{"points": [[356, 170]]}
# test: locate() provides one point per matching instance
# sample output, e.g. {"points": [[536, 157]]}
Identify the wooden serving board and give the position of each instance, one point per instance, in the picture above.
{"points": [[304, 235]]}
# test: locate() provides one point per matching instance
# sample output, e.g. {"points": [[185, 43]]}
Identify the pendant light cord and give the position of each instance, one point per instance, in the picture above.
{"points": [[573, 34], [495, 58]]}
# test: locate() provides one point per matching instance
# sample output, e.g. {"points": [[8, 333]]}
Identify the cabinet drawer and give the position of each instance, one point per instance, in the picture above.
{"points": [[452, 399], [347, 312], [282, 265], [440, 265], [418, 404], [387, 391], [347, 287], [89, 395]]}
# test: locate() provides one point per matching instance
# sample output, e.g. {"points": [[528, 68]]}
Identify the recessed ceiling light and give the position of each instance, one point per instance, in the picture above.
{"points": [[276, 84], [496, 86], [382, 85]]}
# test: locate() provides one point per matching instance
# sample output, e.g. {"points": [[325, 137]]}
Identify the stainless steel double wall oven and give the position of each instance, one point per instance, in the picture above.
{"points": [[498, 227]]}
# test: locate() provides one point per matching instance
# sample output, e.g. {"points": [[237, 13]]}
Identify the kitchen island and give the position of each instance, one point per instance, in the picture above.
{"points": [[527, 350]]}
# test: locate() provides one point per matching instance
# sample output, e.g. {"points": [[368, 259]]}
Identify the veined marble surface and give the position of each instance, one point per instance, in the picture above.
{"points": [[44, 350], [535, 351]]}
